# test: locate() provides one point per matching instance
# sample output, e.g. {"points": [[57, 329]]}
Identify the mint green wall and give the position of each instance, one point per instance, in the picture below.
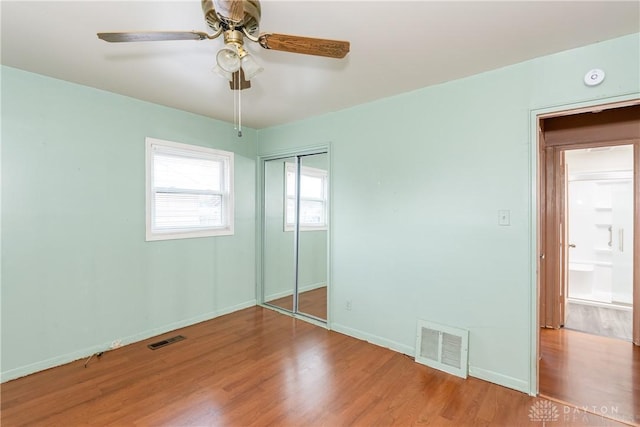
{"points": [[76, 270], [418, 180]]}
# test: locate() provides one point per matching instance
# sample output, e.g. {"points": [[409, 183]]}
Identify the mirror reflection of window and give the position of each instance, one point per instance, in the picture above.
{"points": [[313, 198]]}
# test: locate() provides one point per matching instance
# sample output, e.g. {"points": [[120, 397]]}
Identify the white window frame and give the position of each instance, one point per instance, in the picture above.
{"points": [[309, 171], [194, 151]]}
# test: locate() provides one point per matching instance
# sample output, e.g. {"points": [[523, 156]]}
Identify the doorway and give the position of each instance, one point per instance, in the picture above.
{"points": [[600, 268], [598, 130], [600, 199], [295, 227]]}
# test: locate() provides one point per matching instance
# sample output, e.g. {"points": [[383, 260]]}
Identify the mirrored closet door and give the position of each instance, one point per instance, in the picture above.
{"points": [[294, 234]]}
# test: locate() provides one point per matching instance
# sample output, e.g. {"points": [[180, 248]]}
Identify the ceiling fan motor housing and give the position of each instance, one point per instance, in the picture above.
{"points": [[222, 17]]}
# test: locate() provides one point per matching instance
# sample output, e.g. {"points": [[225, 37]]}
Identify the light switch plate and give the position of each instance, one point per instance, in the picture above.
{"points": [[504, 217]]}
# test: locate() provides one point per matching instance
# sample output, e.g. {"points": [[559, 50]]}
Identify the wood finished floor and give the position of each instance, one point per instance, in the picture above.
{"points": [[257, 367], [605, 321], [592, 371], [313, 302]]}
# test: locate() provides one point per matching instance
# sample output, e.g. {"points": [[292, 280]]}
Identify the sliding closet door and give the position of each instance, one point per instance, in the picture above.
{"points": [[278, 243], [312, 237], [295, 239]]}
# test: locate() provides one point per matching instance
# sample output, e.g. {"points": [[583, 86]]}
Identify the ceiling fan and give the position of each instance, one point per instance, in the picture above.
{"points": [[237, 20]]}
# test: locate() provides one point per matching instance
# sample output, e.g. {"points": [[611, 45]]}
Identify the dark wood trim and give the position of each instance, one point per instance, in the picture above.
{"points": [[636, 245], [542, 234], [551, 271], [590, 109], [597, 127], [563, 232]]}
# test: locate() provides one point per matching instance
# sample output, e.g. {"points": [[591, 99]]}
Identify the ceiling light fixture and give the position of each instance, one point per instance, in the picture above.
{"points": [[236, 65], [228, 58], [250, 67], [222, 73], [237, 20]]}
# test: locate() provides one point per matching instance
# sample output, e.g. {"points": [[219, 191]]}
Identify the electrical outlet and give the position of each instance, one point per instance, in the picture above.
{"points": [[115, 344], [348, 305]]}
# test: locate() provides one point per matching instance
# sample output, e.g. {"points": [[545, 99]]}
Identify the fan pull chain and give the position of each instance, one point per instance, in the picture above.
{"points": [[239, 111], [235, 103]]}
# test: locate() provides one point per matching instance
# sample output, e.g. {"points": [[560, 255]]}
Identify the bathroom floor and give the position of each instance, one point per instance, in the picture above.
{"points": [[606, 321]]}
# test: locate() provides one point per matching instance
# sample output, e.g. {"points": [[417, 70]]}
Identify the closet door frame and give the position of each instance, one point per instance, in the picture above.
{"points": [[260, 230]]}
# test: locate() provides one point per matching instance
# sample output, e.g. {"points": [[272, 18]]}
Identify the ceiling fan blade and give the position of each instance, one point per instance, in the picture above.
{"points": [[151, 36], [306, 45]]}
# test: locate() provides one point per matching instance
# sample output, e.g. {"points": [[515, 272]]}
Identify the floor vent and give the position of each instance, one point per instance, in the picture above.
{"points": [[157, 345], [443, 347]]}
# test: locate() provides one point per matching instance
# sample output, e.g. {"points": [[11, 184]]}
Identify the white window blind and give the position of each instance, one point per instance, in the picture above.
{"points": [[189, 191]]}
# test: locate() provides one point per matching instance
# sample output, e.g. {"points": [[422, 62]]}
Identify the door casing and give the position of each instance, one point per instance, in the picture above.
{"points": [[550, 245]]}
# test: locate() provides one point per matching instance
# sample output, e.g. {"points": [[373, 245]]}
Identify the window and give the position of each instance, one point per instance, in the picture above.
{"points": [[313, 198], [189, 191]]}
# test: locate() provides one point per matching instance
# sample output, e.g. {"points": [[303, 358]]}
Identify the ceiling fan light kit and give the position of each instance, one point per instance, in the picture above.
{"points": [[237, 20], [250, 67], [222, 73], [228, 58], [233, 56]]}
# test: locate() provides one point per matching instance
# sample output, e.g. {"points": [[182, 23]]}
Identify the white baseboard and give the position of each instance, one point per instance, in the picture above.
{"points": [[500, 379], [374, 339], [483, 374], [86, 352], [480, 373]]}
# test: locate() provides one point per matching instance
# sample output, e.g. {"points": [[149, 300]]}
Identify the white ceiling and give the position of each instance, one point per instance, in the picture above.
{"points": [[396, 47]]}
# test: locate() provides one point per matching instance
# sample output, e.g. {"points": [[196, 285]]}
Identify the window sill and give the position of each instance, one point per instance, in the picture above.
{"points": [[151, 236]]}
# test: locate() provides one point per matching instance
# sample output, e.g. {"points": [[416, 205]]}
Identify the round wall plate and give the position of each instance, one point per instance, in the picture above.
{"points": [[594, 77]]}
